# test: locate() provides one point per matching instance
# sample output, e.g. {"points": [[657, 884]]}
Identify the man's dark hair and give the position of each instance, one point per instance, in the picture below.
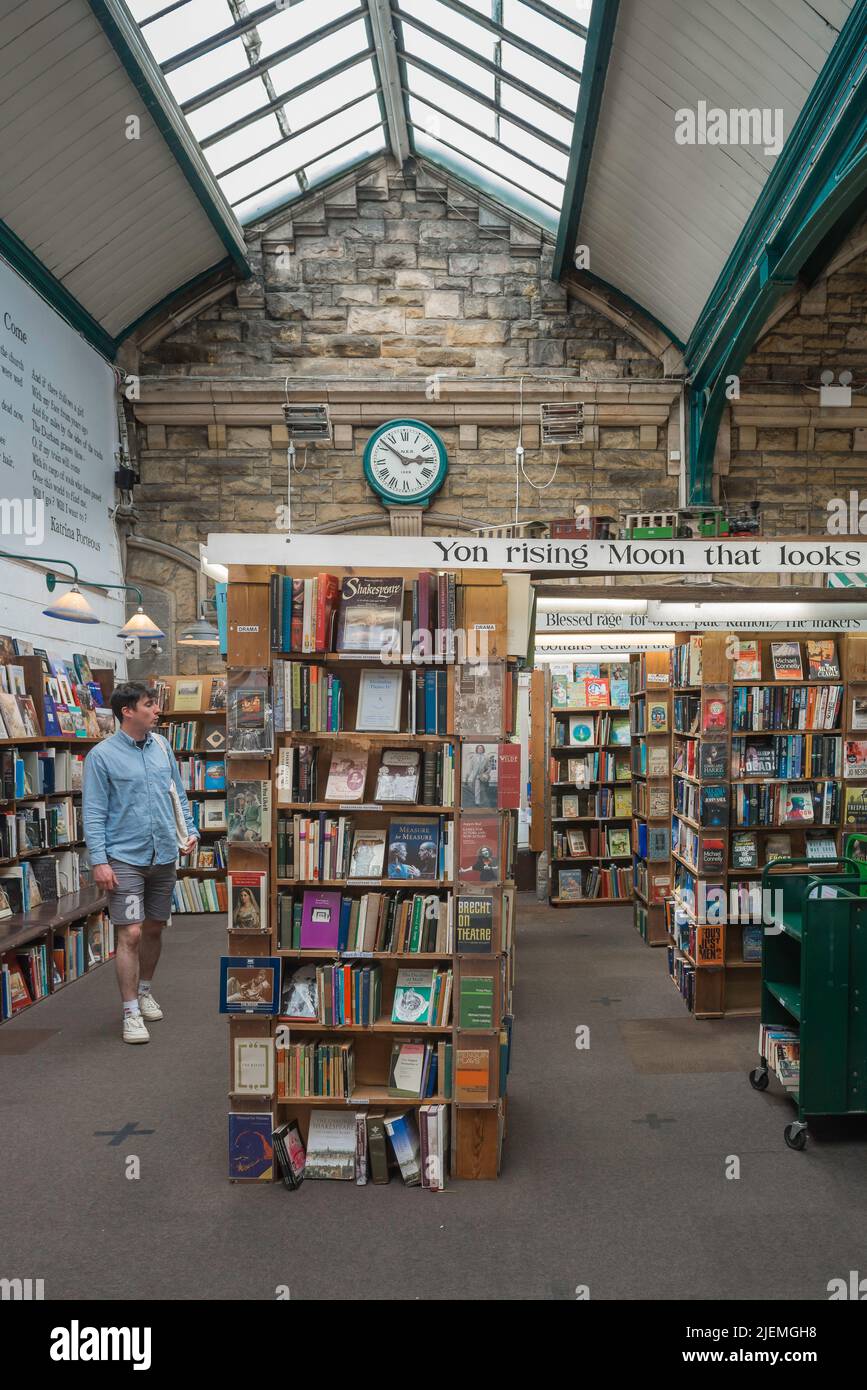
{"points": [[127, 696]]}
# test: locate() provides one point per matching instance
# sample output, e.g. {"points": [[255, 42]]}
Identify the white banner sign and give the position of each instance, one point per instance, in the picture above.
{"points": [[58, 434], [372, 553], [576, 627]]}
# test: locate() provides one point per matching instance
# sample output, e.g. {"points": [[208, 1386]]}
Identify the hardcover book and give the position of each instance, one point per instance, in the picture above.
{"points": [[406, 1069], [713, 761], [711, 855], [379, 701], [778, 847], [597, 691], [798, 802], [855, 758], [570, 884], [582, 729], [822, 663], [248, 901], [480, 849], [714, 808], [347, 776], [215, 776], [745, 854], [621, 735], [577, 842], [218, 693], [472, 1074], [250, 729], [619, 843], [479, 698], [413, 847], [412, 996], [188, 695], [657, 716], [249, 812], [370, 615], [331, 1145], [748, 663], [249, 984], [251, 1149], [299, 1000], [474, 925], [213, 737], [855, 806], [402, 1130], [368, 854], [714, 713], [786, 657], [320, 921], [254, 1067], [859, 712], [398, 775], [657, 760]]}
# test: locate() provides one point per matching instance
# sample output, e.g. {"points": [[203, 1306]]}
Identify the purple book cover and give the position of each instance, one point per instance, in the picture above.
{"points": [[320, 921]]}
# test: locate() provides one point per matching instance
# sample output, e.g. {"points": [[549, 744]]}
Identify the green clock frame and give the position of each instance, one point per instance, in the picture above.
{"points": [[418, 497]]}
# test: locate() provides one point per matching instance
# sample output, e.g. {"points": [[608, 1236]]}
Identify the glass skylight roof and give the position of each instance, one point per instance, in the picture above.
{"points": [[283, 95]]}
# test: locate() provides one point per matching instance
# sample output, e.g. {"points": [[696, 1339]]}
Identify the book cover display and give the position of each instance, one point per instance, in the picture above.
{"points": [[480, 849], [249, 985], [398, 775], [370, 615], [413, 847], [248, 902]]}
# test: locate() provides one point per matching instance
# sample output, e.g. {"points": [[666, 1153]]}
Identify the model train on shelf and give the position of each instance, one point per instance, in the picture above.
{"points": [[688, 523]]}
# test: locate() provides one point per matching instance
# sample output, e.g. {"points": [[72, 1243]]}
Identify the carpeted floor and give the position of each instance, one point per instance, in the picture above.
{"points": [[614, 1173]]}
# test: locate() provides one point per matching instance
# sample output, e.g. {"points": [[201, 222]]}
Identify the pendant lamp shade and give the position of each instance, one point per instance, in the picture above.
{"points": [[201, 633], [140, 625], [73, 607]]}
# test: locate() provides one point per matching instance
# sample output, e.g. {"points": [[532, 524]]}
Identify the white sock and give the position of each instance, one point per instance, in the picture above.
{"points": [[130, 1006], [144, 986]]}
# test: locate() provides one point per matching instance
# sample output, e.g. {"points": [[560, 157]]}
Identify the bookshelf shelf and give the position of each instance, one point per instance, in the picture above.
{"points": [[650, 725], [263, 610]]}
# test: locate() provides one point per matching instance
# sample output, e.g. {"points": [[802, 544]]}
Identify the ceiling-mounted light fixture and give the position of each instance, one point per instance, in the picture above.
{"points": [[141, 626], [75, 608], [200, 633]]}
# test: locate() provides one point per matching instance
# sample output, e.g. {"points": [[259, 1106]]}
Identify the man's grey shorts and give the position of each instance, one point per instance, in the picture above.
{"points": [[143, 891]]}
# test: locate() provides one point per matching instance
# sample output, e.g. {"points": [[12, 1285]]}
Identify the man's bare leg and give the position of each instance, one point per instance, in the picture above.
{"points": [[149, 949], [127, 961]]}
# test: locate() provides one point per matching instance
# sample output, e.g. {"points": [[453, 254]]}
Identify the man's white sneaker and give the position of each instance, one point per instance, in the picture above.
{"points": [[150, 1008], [134, 1030]]}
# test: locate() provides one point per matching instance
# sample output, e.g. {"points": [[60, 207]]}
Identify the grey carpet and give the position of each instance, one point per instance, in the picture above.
{"points": [[614, 1171]]}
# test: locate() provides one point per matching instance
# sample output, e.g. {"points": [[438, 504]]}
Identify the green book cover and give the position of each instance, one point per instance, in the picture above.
{"points": [[297, 913], [477, 1001]]}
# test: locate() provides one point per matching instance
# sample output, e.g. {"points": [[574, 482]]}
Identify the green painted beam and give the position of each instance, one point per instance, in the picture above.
{"points": [[600, 36], [809, 202], [31, 269], [125, 39]]}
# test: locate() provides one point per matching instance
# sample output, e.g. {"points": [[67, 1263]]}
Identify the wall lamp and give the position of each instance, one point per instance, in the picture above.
{"points": [[74, 607]]}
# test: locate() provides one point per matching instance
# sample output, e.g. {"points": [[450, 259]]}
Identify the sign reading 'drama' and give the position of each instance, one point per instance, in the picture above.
{"points": [[375, 553]]}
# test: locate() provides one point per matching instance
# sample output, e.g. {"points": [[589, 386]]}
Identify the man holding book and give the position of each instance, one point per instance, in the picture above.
{"points": [[134, 805]]}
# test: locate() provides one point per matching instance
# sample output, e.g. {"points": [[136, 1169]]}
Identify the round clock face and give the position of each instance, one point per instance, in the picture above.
{"points": [[405, 461]]}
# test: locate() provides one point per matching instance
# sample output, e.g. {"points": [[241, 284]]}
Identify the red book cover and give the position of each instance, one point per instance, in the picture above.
{"points": [[480, 849], [424, 604], [326, 602], [509, 776], [297, 614]]}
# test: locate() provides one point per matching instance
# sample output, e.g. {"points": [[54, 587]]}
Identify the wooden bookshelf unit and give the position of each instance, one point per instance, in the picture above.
{"points": [[66, 934], [317, 698], [589, 771], [650, 725], [201, 887]]}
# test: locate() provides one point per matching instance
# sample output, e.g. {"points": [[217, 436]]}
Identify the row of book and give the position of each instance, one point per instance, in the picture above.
{"points": [[349, 993], [654, 884], [213, 855], [592, 843], [778, 707], [346, 1146], [307, 698], [686, 662], [316, 1069], [786, 661], [403, 774], [596, 767], [199, 895], [592, 730], [781, 1049], [40, 772], [649, 759], [816, 803], [206, 736], [599, 882], [706, 760], [323, 847], [591, 689], [185, 694], [683, 975], [648, 715], [364, 613], [40, 825], [651, 800], [203, 774], [649, 671], [686, 713], [31, 972], [606, 803], [403, 923], [798, 755], [210, 815], [652, 842]]}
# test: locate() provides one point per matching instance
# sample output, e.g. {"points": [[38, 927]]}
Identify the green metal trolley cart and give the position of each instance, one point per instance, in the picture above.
{"points": [[814, 981]]}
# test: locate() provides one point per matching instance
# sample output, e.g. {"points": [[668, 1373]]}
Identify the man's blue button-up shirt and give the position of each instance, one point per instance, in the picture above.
{"points": [[128, 811]]}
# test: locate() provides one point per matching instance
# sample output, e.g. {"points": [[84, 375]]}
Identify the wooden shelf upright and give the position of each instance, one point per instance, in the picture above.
{"points": [[650, 725]]}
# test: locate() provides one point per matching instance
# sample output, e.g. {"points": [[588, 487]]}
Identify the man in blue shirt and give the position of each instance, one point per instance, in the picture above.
{"points": [[132, 837]]}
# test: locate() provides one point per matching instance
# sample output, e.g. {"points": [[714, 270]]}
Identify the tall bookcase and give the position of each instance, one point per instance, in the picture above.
{"points": [[67, 934], [753, 780], [476, 1127], [591, 803], [193, 719], [650, 726]]}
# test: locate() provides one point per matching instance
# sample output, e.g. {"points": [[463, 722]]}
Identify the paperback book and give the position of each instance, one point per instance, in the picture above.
{"points": [[370, 615], [413, 847], [248, 901], [398, 775], [480, 849]]}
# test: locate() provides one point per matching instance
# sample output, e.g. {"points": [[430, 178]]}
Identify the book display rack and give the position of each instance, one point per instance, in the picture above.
{"points": [[193, 720], [763, 746], [53, 926], [590, 796], [650, 725], [372, 812]]}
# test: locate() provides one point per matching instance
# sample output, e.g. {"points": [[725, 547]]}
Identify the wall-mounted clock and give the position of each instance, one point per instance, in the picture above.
{"points": [[405, 462]]}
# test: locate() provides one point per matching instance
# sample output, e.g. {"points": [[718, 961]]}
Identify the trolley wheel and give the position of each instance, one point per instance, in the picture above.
{"points": [[759, 1079], [795, 1136]]}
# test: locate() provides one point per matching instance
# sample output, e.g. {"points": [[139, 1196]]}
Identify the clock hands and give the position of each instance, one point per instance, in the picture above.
{"points": [[403, 457]]}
